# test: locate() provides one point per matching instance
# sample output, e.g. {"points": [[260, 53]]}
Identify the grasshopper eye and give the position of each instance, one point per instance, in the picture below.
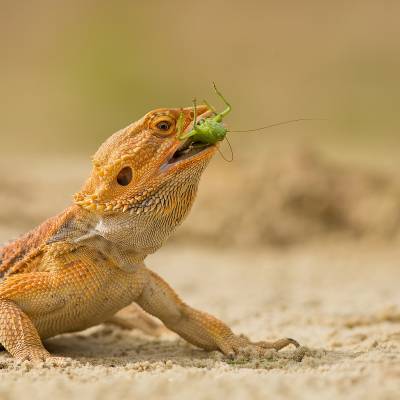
{"points": [[124, 177], [164, 126]]}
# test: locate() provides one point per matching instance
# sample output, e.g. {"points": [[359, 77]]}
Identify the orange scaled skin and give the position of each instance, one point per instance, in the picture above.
{"points": [[79, 268]]}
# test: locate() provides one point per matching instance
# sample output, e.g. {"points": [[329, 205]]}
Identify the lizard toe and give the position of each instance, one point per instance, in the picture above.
{"points": [[33, 355], [59, 361], [241, 347], [278, 344]]}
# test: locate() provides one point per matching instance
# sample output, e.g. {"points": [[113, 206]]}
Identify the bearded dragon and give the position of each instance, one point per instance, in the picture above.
{"points": [[80, 267]]}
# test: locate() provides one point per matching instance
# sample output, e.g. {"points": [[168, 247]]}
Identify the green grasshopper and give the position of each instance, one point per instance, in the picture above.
{"points": [[210, 130]]}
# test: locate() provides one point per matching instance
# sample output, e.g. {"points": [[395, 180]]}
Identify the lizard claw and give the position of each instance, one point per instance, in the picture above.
{"points": [[240, 346], [279, 344]]}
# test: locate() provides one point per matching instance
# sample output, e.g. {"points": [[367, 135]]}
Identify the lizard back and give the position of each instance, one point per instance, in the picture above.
{"points": [[14, 253]]}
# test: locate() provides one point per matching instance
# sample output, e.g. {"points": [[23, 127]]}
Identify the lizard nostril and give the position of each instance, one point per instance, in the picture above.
{"points": [[124, 177]]}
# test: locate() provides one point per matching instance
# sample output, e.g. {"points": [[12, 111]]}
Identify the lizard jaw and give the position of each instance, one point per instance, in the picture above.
{"points": [[188, 150], [185, 154]]}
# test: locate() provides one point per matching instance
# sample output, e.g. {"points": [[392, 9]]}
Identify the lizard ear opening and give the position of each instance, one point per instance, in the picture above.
{"points": [[125, 176]]}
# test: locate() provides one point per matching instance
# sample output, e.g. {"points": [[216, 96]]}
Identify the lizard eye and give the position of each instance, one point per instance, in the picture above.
{"points": [[164, 125], [124, 177]]}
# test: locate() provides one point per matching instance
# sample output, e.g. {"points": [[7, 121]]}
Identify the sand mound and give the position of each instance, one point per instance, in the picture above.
{"points": [[297, 199]]}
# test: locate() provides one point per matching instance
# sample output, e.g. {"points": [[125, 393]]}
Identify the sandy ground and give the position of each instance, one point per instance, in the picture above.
{"points": [[340, 301]]}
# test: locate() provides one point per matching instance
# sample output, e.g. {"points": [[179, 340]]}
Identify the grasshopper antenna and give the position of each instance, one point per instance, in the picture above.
{"points": [[230, 150], [180, 124], [222, 155], [228, 108], [210, 106], [193, 131], [195, 113], [290, 121]]}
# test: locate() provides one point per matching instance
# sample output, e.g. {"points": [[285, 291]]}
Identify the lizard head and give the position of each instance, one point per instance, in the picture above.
{"points": [[146, 171]]}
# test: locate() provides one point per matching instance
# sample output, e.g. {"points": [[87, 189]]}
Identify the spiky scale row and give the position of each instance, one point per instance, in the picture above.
{"points": [[89, 203]]}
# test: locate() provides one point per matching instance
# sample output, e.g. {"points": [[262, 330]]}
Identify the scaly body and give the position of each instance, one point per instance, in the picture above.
{"points": [[79, 268]]}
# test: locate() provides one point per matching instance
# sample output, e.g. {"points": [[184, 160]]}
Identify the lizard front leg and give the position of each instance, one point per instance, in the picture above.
{"points": [[197, 327], [18, 335]]}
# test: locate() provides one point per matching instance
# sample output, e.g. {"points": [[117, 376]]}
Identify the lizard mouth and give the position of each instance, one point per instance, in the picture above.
{"points": [[188, 149]]}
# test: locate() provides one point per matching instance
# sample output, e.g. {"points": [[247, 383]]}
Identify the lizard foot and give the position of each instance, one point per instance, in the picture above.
{"points": [[32, 354], [241, 346], [42, 356], [59, 361]]}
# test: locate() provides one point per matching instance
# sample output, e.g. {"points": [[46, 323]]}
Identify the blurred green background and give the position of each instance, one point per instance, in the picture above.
{"points": [[73, 72]]}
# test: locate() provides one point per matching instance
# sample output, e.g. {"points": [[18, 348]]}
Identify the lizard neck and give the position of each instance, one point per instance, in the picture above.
{"points": [[127, 237], [142, 229]]}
